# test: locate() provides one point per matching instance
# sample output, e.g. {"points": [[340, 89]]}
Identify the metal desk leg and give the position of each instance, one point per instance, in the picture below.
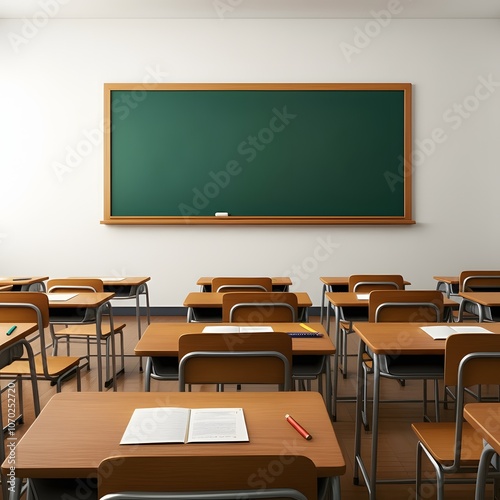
{"points": [[359, 466], [330, 402], [141, 290], [482, 472], [322, 307]]}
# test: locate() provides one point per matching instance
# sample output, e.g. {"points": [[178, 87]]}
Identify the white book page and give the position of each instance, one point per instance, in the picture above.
{"points": [[208, 425], [470, 329], [440, 332], [255, 329], [111, 279], [221, 329], [157, 425], [60, 297]]}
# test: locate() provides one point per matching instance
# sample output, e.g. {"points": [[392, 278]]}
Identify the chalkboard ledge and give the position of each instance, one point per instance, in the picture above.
{"points": [[248, 220]]}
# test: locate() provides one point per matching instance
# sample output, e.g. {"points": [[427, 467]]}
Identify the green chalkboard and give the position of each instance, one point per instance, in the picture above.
{"points": [[264, 154]]}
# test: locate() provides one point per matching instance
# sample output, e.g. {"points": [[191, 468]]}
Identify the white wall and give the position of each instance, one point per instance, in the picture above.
{"points": [[51, 83]]}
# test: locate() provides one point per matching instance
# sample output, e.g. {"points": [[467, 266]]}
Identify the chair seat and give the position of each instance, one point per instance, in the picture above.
{"points": [[307, 366], [412, 367], [56, 365], [439, 439], [89, 330]]}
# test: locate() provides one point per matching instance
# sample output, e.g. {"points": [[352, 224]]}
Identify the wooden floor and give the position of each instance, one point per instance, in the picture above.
{"points": [[396, 443]]}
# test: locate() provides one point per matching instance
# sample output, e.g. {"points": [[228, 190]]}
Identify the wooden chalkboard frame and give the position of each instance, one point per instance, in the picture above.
{"points": [[405, 173]]}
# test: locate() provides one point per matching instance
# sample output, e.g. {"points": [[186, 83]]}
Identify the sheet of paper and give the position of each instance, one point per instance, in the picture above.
{"points": [[208, 425], [111, 279], [61, 297], [363, 296], [221, 329], [255, 329], [157, 425], [441, 332]]}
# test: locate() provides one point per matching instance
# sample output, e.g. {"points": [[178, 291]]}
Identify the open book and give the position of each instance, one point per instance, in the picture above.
{"points": [[440, 332], [237, 329], [184, 425]]}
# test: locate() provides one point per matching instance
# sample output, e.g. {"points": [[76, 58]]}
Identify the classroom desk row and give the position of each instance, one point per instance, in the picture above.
{"points": [[82, 429]]}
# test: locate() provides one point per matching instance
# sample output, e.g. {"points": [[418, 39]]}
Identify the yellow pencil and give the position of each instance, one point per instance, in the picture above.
{"points": [[308, 328]]}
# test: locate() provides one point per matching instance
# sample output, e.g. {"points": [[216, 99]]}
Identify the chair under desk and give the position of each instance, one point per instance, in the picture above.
{"points": [[86, 308], [24, 284], [388, 339], [487, 303], [82, 429], [207, 306], [162, 340]]}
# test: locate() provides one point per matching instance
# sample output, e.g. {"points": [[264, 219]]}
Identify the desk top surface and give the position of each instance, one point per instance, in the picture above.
{"points": [[117, 280], [276, 280], [90, 299], [485, 418], [76, 430], [407, 338], [483, 298], [162, 339], [214, 299], [350, 299], [452, 280], [21, 280], [22, 330]]}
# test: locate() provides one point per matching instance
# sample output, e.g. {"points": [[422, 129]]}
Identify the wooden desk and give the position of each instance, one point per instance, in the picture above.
{"points": [[23, 284], [87, 308], [130, 287], [207, 306], [384, 339], [447, 284], [5, 288], [81, 429], [162, 339], [279, 283], [484, 301], [19, 336], [485, 419]]}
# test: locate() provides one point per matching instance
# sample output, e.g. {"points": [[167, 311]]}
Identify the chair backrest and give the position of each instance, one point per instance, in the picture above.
{"points": [[259, 307], [479, 281], [25, 307], [365, 283], [239, 358], [241, 284], [470, 359], [406, 305], [244, 476], [71, 285]]}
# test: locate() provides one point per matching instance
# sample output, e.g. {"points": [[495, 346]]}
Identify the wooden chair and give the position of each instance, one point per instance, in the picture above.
{"points": [[362, 284], [455, 447], [477, 281], [259, 307], [227, 358], [406, 306], [210, 477], [33, 307], [86, 333], [242, 284]]}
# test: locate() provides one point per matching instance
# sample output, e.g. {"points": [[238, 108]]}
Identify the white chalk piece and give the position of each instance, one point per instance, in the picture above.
{"points": [[221, 214]]}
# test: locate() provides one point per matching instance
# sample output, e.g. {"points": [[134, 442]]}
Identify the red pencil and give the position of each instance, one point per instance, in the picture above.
{"points": [[298, 427]]}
